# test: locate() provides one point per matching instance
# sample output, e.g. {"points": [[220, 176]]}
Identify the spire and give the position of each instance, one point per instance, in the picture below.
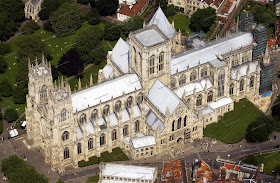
{"points": [[144, 24], [43, 60], [167, 113], [173, 25], [90, 80], [62, 83], [69, 89], [29, 65], [36, 62], [79, 84]]}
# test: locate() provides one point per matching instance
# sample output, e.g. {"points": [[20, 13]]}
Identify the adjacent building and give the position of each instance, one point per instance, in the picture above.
{"points": [[32, 9], [128, 11]]}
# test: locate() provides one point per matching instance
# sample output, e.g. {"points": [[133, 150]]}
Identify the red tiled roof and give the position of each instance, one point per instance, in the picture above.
{"points": [[126, 10], [215, 2], [271, 42]]}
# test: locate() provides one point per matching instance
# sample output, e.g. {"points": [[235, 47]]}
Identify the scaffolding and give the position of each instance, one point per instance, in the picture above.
{"points": [[246, 22], [260, 37]]}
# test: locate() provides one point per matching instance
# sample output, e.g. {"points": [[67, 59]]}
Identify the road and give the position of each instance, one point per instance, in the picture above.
{"points": [[235, 155]]}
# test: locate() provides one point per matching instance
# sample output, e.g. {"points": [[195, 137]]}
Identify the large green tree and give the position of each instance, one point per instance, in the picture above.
{"points": [[107, 7], [10, 115], [202, 19], [22, 73], [162, 3], [11, 15], [93, 17], [48, 6], [6, 89], [89, 45], [3, 65], [30, 27], [67, 19], [113, 31], [19, 95], [132, 24], [4, 48]]}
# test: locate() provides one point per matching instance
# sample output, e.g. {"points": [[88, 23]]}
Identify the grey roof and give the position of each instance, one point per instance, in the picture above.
{"points": [[163, 24], [162, 98], [35, 2], [154, 121], [120, 55], [210, 52], [149, 37]]}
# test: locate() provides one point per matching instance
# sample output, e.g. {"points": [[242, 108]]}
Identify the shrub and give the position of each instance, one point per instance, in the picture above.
{"points": [[10, 115]]}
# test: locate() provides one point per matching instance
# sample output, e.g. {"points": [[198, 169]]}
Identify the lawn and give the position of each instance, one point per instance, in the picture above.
{"points": [[270, 161], [116, 155], [181, 22], [232, 127], [93, 178]]}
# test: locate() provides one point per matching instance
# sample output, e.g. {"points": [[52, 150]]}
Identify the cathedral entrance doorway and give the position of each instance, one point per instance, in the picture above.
{"points": [[179, 140]]}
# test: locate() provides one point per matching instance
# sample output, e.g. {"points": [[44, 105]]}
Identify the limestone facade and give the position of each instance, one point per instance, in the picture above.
{"points": [[32, 9], [147, 90]]}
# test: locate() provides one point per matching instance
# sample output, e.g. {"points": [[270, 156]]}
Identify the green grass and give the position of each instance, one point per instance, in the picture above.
{"points": [[93, 178], [181, 22], [232, 127], [270, 161], [116, 155]]}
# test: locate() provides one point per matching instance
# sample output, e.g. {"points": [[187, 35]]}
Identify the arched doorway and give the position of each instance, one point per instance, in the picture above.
{"points": [[179, 140]]}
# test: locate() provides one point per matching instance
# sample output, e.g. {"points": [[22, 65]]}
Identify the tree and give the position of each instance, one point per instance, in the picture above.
{"points": [[22, 73], [67, 19], [19, 96], [48, 26], [89, 45], [251, 160], [70, 63], [113, 32], [132, 24], [49, 6], [259, 130], [107, 7], [6, 89], [202, 19], [170, 11], [30, 27], [11, 14], [59, 181], [55, 73], [30, 46], [10, 115], [83, 2], [3, 65], [162, 3], [93, 17], [4, 48]]}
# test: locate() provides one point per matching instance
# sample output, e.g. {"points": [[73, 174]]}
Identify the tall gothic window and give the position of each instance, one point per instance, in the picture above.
{"points": [[137, 126], [129, 102], [231, 87], [221, 83], [63, 115], [182, 79], [140, 98], [79, 148], [241, 85], [83, 118], [252, 80], [125, 130], [199, 100], [43, 93], [135, 56], [90, 144], [106, 110], [152, 65], [193, 76], [66, 153], [161, 62], [65, 136], [118, 106], [244, 58], [210, 96], [94, 114], [179, 123], [173, 82], [203, 72], [173, 126], [185, 121], [102, 139], [114, 135], [234, 60]]}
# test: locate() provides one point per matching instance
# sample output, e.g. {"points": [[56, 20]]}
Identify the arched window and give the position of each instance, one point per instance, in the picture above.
{"points": [[173, 82], [231, 87], [118, 106], [137, 126], [173, 126], [152, 65], [129, 102], [79, 148], [102, 139], [185, 121], [179, 123], [90, 144], [66, 153], [199, 100], [65, 136], [114, 135], [83, 118], [161, 62], [193, 76], [244, 58], [43, 93], [241, 85], [125, 130], [94, 114], [182, 79], [203, 72], [106, 110], [135, 56], [210, 96], [140, 57], [63, 115], [252, 80], [140, 98], [221, 83]]}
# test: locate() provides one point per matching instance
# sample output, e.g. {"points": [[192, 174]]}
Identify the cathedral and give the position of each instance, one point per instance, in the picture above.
{"points": [[151, 96]]}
